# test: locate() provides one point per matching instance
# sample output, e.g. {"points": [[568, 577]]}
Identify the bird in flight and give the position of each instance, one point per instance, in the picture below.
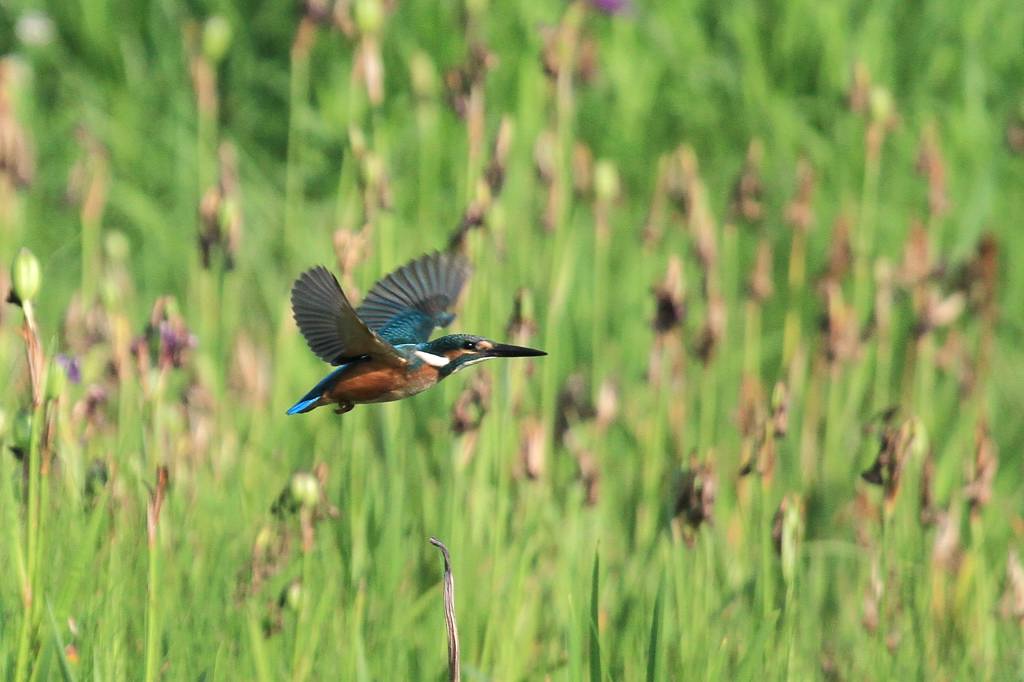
{"points": [[382, 349]]}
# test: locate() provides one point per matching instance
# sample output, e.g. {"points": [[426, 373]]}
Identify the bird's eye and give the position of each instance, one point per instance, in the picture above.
{"points": [[469, 345]]}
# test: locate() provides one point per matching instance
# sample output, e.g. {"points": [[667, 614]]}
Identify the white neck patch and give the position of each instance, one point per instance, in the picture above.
{"points": [[431, 359], [474, 361]]}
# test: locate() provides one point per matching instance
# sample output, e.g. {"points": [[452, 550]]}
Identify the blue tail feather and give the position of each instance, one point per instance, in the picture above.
{"points": [[308, 401], [303, 405]]}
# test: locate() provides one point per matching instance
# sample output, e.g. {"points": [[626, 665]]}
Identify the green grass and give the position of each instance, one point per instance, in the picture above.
{"points": [[600, 555]]}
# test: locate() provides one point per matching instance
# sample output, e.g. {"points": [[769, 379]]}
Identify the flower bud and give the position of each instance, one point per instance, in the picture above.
{"points": [[216, 38], [369, 16], [117, 246], [881, 104], [792, 530], [606, 181], [25, 275], [293, 595], [423, 75], [56, 380], [305, 489], [264, 540]]}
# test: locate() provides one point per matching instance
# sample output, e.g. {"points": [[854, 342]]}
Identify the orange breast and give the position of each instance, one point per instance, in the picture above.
{"points": [[371, 382]]}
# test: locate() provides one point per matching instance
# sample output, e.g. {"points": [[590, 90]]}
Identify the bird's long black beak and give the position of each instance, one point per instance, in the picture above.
{"points": [[504, 350]]}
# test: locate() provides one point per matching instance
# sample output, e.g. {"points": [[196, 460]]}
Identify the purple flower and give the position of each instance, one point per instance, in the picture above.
{"points": [[611, 6], [175, 341], [71, 367]]}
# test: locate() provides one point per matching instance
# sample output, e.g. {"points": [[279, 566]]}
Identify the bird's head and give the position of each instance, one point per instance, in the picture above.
{"points": [[463, 350]]}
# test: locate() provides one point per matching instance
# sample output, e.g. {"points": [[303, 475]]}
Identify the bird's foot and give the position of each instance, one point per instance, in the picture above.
{"points": [[342, 408]]}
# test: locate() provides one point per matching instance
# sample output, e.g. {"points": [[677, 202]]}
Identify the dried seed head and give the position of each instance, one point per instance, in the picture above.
{"points": [[750, 413], [1015, 135], [533, 449], [1011, 605], [590, 475], [840, 255], [612, 6], [574, 405], [917, 264], [842, 331], [669, 298], [495, 173], [780, 410], [582, 168], [713, 331], [462, 80], [156, 501], [85, 326], [860, 89], [979, 276], [545, 151], [250, 371], [760, 285], [607, 404], [91, 410], [896, 440], [220, 214], [471, 406], [588, 60], [985, 465], [748, 190], [937, 312], [350, 250], [695, 492], [954, 358], [521, 325], [871, 610], [931, 165], [320, 12], [800, 211], [946, 550], [17, 159]]}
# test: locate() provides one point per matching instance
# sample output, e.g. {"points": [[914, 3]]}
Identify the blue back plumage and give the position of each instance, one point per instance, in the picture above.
{"points": [[406, 306], [413, 326]]}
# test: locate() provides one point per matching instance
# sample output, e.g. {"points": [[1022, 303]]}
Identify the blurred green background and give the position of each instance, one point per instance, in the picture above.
{"points": [[769, 247]]}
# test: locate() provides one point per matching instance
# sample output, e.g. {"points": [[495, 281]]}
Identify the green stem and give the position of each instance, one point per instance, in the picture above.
{"points": [[152, 605], [32, 584], [299, 670], [797, 270], [297, 95], [865, 237]]}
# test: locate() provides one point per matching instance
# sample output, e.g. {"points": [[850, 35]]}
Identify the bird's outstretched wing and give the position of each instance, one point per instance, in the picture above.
{"points": [[332, 328], [406, 306]]}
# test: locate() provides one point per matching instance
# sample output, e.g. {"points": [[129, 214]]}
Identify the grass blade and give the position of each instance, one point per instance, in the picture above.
{"points": [[652, 646], [595, 637]]}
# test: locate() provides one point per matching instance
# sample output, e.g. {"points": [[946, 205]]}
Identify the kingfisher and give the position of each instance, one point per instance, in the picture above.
{"points": [[382, 349]]}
